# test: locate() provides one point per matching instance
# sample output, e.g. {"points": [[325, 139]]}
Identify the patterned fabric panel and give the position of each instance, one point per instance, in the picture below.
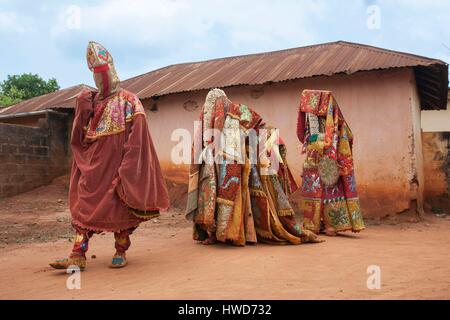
{"points": [[355, 214], [315, 102], [120, 109], [336, 215]]}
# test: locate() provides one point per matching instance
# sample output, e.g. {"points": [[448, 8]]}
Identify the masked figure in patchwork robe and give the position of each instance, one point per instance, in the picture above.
{"points": [[116, 181], [232, 199], [329, 198]]}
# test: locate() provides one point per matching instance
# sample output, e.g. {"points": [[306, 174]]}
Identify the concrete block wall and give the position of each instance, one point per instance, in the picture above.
{"points": [[32, 156]]}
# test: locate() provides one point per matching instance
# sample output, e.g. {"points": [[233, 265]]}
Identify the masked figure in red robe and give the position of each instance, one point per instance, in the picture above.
{"points": [[116, 181]]}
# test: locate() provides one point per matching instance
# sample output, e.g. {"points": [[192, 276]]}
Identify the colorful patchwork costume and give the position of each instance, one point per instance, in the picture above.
{"points": [[229, 198], [328, 182], [116, 181]]}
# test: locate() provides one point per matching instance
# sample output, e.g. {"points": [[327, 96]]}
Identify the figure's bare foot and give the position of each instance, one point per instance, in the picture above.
{"points": [[209, 241], [331, 232], [311, 237]]}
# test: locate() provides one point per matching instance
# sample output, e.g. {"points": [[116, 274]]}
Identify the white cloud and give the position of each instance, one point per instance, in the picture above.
{"points": [[10, 23], [419, 20], [152, 34], [181, 22], [145, 35], [142, 20]]}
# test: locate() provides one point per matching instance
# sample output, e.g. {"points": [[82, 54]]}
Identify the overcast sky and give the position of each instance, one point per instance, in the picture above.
{"points": [[50, 37]]}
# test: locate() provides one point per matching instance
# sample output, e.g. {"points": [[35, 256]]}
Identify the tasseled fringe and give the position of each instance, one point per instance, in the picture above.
{"points": [[225, 201], [264, 234], [285, 212], [101, 230], [147, 215], [258, 193]]}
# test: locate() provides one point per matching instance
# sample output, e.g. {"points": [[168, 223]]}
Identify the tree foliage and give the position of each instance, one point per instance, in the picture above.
{"points": [[17, 88]]}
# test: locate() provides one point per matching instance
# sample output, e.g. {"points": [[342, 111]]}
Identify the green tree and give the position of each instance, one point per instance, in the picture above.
{"points": [[25, 86]]}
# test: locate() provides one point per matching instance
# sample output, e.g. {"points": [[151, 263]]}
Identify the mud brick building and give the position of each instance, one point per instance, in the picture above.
{"points": [[381, 93]]}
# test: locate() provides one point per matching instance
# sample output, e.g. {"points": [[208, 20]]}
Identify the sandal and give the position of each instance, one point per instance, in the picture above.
{"points": [[118, 261], [64, 264]]}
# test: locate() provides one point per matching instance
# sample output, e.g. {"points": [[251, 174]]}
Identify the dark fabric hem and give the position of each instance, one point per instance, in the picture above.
{"points": [[121, 194], [100, 230], [146, 215]]}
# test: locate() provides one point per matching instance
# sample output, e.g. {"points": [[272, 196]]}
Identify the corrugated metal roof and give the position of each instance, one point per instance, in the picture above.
{"points": [[64, 98], [304, 62], [255, 69]]}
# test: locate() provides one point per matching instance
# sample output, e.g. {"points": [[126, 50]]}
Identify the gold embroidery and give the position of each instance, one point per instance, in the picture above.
{"points": [[120, 109], [224, 201]]}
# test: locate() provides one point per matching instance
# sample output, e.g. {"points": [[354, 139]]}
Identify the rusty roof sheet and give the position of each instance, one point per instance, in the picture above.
{"points": [[318, 60], [255, 69], [64, 98]]}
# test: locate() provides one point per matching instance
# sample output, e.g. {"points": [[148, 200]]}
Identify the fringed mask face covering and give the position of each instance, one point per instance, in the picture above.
{"points": [[101, 64]]}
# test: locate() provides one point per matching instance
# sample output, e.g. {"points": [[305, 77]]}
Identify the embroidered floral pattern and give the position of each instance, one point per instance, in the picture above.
{"points": [[246, 115], [120, 109], [103, 54], [339, 217], [335, 203]]}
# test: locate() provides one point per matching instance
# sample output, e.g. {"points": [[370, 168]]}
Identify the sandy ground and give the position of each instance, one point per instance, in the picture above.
{"points": [[166, 264]]}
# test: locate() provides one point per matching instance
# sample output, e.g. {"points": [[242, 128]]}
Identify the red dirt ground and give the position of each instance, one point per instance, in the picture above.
{"points": [[166, 264]]}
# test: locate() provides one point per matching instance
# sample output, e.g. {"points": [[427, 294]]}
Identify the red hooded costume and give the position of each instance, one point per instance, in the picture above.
{"points": [[116, 180]]}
